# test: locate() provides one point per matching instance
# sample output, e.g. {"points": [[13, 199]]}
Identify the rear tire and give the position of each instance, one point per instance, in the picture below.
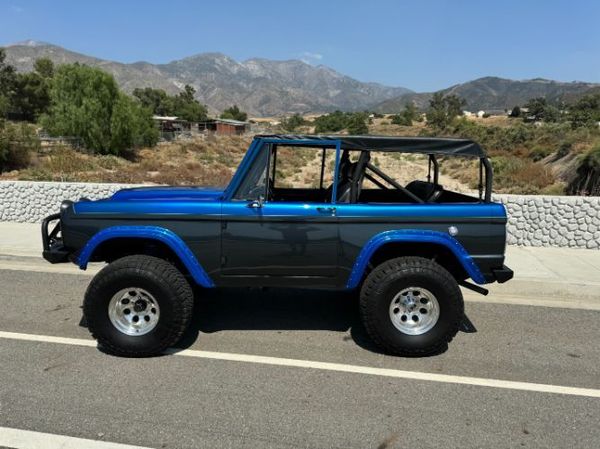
{"points": [[411, 306], [138, 306]]}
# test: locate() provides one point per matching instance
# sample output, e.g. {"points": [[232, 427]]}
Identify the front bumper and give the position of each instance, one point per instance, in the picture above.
{"points": [[53, 248]]}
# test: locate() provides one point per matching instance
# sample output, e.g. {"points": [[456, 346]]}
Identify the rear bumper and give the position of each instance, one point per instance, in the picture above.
{"points": [[503, 274], [53, 248]]}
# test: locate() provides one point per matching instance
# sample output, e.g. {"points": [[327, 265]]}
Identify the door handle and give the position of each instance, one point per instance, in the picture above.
{"points": [[328, 209]]}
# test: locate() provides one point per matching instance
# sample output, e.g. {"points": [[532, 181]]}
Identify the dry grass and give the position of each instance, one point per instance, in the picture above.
{"points": [[210, 161], [384, 127]]}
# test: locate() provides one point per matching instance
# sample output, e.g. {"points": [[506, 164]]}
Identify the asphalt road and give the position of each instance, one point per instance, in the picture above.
{"points": [[175, 401]]}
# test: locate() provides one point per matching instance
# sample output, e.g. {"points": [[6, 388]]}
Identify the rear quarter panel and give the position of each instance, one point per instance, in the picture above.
{"points": [[481, 228]]}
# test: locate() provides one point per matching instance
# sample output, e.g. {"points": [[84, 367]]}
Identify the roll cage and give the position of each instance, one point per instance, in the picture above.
{"points": [[348, 175]]}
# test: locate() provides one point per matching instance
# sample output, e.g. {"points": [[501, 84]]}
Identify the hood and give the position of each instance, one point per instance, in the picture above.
{"points": [[167, 193]]}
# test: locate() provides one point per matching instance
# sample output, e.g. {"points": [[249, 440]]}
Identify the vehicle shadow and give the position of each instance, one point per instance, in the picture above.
{"points": [[280, 309], [277, 309]]}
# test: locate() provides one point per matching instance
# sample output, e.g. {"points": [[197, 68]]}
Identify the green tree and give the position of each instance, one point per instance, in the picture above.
{"points": [[44, 67], [17, 141], [234, 113], [31, 96], [131, 125], [400, 119], [293, 122], [7, 75], [516, 112], [183, 105], [536, 107], [357, 124], [3, 106], [82, 99], [186, 107], [353, 122], [407, 116], [334, 122], [86, 103], [187, 94], [552, 114], [7, 83], [444, 109], [156, 100], [585, 111], [454, 105]]}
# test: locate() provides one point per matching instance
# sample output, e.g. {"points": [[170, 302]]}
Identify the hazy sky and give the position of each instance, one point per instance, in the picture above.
{"points": [[423, 45]]}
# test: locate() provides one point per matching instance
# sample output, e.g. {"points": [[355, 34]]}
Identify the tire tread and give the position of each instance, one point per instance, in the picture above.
{"points": [[406, 265], [148, 266]]}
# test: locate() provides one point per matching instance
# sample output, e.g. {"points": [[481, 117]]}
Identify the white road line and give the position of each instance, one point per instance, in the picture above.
{"points": [[339, 367], [26, 439]]}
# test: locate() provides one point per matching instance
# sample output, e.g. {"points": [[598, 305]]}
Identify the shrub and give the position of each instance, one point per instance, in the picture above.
{"points": [[516, 175], [539, 152], [563, 149], [354, 122], [63, 162], [234, 113], [401, 119], [293, 122], [16, 144], [356, 125], [587, 181], [3, 106]]}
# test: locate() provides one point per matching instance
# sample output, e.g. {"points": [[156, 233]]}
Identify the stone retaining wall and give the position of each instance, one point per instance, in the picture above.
{"points": [[30, 202], [533, 220], [565, 221]]}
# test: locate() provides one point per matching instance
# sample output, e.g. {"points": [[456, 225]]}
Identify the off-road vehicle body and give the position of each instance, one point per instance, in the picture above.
{"points": [[404, 248]]}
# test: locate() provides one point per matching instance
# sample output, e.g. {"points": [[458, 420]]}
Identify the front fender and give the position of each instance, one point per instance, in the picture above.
{"points": [[413, 235], [163, 235]]}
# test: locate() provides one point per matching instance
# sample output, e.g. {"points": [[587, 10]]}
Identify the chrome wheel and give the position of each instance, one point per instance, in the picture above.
{"points": [[133, 311], [414, 311]]}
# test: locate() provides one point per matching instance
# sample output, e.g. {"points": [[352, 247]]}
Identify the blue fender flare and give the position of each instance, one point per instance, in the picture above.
{"points": [[413, 236], [163, 235]]}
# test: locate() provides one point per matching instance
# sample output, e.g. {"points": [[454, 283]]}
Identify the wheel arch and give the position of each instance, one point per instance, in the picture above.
{"points": [[150, 240], [447, 251]]}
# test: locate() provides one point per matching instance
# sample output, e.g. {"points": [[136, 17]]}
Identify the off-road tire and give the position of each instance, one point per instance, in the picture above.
{"points": [[389, 278], [163, 281]]}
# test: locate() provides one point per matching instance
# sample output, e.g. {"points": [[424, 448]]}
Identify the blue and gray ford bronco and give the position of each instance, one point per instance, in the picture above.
{"points": [[306, 211]]}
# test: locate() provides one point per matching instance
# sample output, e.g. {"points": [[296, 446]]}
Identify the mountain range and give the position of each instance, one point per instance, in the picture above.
{"points": [[259, 86], [495, 94], [264, 87]]}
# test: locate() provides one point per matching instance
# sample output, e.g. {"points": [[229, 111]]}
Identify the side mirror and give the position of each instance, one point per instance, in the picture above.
{"points": [[257, 203]]}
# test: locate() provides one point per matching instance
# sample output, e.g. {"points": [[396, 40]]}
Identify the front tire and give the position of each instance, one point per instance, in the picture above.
{"points": [[411, 306], [138, 306]]}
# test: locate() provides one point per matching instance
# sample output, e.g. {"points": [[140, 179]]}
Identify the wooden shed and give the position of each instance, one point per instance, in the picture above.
{"points": [[224, 126]]}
